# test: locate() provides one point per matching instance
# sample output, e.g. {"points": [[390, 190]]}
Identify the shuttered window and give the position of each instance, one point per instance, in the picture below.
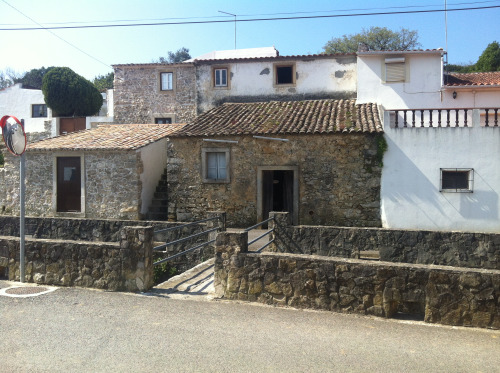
{"points": [[395, 70], [166, 81]]}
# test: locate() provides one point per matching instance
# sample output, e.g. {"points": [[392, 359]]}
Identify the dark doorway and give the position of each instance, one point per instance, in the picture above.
{"points": [[67, 125], [69, 184], [277, 191]]}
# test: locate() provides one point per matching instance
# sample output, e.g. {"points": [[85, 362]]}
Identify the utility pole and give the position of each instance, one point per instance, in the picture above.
{"points": [[234, 15]]}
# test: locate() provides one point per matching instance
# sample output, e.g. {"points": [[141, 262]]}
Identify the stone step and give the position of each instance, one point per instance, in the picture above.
{"points": [[369, 255], [161, 195], [157, 216], [158, 208]]}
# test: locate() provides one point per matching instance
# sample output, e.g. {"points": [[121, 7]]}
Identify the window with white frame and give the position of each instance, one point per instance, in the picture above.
{"points": [[395, 70], [220, 77], [166, 81], [215, 165], [457, 180]]}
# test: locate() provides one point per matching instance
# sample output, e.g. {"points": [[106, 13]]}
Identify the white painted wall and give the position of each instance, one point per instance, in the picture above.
{"points": [[410, 185], [410, 195], [313, 76], [154, 159], [17, 101]]}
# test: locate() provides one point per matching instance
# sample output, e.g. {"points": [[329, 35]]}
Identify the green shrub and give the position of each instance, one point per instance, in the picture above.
{"points": [[163, 272], [69, 94]]}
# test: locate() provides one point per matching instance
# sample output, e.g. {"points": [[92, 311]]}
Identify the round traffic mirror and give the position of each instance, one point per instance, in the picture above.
{"points": [[13, 134]]}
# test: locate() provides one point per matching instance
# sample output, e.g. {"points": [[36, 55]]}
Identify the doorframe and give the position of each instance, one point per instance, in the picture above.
{"points": [[81, 213], [295, 169]]}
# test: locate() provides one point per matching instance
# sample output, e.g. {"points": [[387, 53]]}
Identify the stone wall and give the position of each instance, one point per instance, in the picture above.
{"points": [[123, 266], [458, 249], [338, 178], [108, 230], [445, 295], [138, 99]]}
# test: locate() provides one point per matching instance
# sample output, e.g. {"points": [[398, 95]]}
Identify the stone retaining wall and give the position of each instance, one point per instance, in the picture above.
{"points": [[123, 266], [445, 295], [458, 249], [108, 230]]}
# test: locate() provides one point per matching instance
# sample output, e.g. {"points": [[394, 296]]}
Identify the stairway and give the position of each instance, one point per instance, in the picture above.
{"points": [[158, 210]]}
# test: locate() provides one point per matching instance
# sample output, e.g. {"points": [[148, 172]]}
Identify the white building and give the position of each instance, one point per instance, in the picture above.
{"points": [[27, 104], [441, 168], [243, 77]]}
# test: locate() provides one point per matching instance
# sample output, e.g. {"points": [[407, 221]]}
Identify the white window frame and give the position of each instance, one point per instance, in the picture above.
{"points": [[44, 109], [470, 180], [206, 153], [169, 82]]}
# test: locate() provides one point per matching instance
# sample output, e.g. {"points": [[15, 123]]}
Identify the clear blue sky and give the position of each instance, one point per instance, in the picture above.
{"points": [[469, 32]]}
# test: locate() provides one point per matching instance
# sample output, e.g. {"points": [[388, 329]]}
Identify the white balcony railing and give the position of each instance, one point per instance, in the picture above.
{"points": [[428, 118]]}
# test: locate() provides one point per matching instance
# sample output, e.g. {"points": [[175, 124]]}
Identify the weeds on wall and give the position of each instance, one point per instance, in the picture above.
{"points": [[381, 149]]}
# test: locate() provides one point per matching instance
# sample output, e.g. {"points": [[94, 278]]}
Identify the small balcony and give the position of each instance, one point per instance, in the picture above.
{"points": [[449, 118]]}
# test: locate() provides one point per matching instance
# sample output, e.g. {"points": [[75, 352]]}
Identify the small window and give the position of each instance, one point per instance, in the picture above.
{"points": [[457, 180], [215, 165], [395, 70], [220, 77], [39, 111], [166, 81], [285, 74], [163, 120]]}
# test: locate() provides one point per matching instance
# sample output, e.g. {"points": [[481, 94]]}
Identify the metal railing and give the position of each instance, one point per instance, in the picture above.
{"points": [[184, 239], [261, 236]]}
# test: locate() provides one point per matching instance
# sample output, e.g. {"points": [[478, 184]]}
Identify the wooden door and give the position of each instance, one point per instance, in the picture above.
{"points": [[69, 186], [67, 125]]}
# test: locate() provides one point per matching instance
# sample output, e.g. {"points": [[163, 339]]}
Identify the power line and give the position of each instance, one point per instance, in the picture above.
{"points": [[245, 20], [257, 14], [57, 36]]}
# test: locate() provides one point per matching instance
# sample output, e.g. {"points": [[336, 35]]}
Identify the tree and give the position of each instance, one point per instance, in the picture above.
{"points": [[182, 54], [375, 39], [5, 81], [33, 78], [104, 82], [69, 94], [462, 68], [489, 60]]}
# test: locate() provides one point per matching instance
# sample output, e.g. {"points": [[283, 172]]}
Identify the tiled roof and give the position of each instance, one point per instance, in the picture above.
{"points": [[108, 137], [408, 51], [475, 79], [277, 58], [290, 117]]}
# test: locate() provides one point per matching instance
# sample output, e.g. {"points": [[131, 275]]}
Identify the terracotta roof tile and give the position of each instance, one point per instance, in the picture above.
{"points": [[108, 137], [473, 79], [289, 117]]}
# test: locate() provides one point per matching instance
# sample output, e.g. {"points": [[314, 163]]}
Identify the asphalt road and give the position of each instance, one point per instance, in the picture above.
{"points": [[73, 329]]}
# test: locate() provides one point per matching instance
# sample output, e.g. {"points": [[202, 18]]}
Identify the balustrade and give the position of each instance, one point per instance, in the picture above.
{"points": [[435, 118]]}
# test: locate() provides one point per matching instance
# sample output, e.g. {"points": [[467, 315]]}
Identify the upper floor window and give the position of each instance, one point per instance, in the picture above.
{"points": [[39, 111], [220, 77], [395, 70], [163, 120], [284, 74], [166, 81]]}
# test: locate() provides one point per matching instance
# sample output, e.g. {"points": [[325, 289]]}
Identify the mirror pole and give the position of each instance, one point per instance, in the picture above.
{"points": [[22, 189]]}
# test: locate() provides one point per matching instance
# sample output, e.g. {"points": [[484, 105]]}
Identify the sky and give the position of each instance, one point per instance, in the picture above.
{"points": [[92, 51]]}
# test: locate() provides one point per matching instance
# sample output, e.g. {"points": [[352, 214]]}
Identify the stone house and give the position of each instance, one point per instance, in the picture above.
{"points": [[317, 159], [443, 141], [111, 171], [176, 93], [154, 93]]}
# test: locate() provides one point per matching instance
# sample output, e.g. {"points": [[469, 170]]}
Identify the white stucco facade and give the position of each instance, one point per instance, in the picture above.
{"points": [[18, 101], [314, 77], [411, 186]]}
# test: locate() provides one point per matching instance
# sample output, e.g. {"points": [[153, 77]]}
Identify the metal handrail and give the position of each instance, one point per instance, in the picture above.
{"points": [[186, 225], [263, 247], [184, 239], [261, 236], [183, 252], [259, 224]]}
